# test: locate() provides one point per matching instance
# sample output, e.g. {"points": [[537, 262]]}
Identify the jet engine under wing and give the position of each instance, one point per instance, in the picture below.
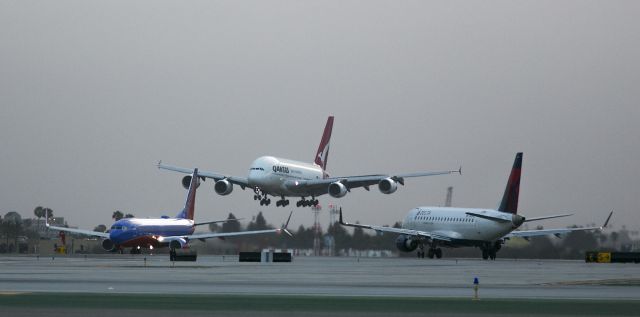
{"points": [[544, 232], [418, 233], [240, 181], [320, 186]]}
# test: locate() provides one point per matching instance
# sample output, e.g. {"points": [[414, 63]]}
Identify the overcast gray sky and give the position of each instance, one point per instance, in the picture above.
{"points": [[93, 94]]}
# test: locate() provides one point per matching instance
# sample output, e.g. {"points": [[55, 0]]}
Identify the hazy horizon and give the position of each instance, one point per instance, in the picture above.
{"points": [[94, 94]]}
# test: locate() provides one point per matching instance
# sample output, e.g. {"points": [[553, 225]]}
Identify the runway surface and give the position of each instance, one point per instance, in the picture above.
{"points": [[151, 285], [322, 276]]}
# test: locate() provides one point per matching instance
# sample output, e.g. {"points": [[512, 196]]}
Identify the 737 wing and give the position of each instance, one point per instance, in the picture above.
{"points": [[240, 181], [73, 230], [203, 236], [415, 233], [557, 232]]}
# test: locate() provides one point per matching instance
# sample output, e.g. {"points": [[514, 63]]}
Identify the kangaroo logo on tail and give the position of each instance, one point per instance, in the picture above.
{"points": [[323, 150]]}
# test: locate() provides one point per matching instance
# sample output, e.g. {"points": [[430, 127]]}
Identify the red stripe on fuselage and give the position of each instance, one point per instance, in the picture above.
{"points": [[143, 242]]}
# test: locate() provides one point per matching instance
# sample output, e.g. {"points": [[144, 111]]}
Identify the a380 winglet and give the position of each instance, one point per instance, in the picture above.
{"points": [[322, 155]]}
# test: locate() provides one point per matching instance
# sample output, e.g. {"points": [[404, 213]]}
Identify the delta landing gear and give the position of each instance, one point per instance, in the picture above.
{"points": [[489, 250], [307, 202], [433, 252]]}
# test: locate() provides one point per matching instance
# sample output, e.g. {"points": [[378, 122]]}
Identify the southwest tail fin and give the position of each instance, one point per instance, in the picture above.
{"points": [[510, 198], [323, 150], [189, 205]]}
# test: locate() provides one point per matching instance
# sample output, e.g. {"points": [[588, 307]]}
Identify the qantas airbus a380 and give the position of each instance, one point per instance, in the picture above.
{"points": [[278, 177]]}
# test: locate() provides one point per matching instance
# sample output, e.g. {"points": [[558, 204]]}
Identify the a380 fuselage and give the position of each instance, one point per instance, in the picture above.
{"points": [[270, 174]]}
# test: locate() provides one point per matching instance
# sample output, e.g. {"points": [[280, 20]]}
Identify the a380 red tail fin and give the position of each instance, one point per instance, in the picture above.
{"points": [[323, 150], [510, 198]]}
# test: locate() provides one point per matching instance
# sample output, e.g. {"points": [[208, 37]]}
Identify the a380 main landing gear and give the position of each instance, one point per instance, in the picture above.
{"points": [[282, 202], [307, 202]]}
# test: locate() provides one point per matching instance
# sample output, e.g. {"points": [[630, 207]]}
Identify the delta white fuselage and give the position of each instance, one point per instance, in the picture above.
{"points": [[270, 174], [455, 223]]}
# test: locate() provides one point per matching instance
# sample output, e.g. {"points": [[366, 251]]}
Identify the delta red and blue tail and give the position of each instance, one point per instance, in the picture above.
{"points": [[510, 198], [322, 155], [189, 205]]}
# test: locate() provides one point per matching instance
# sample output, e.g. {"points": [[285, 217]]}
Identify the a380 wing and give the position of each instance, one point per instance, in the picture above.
{"points": [[320, 186], [240, 181]]}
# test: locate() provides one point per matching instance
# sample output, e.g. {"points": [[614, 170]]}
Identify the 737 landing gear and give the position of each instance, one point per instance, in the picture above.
{"points": [[282, 202], [420, 251], [306, 203]]}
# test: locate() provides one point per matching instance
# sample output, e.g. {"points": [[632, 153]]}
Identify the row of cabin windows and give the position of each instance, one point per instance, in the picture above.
{"points": [[451, 219]]}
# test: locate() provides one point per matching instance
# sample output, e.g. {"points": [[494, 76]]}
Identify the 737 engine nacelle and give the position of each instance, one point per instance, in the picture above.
{"points": [[108, 245], [179, 243], [186, 182], [388, 186], [223, 187], [337, 189], [404, 243]]}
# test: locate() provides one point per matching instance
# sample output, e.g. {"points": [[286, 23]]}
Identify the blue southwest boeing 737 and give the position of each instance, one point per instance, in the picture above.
{"points": [[175, 233]]}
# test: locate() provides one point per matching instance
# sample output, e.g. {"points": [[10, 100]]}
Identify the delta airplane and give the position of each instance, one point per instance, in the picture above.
{"points": [[278, 177], [176, 233], [486, 229]]}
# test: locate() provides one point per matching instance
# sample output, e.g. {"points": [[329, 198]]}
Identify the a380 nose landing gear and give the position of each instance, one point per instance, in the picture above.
{"points": [[262, 196]]}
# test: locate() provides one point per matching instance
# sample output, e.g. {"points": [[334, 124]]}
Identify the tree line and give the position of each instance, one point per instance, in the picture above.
{"points": [[14, 229]]}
